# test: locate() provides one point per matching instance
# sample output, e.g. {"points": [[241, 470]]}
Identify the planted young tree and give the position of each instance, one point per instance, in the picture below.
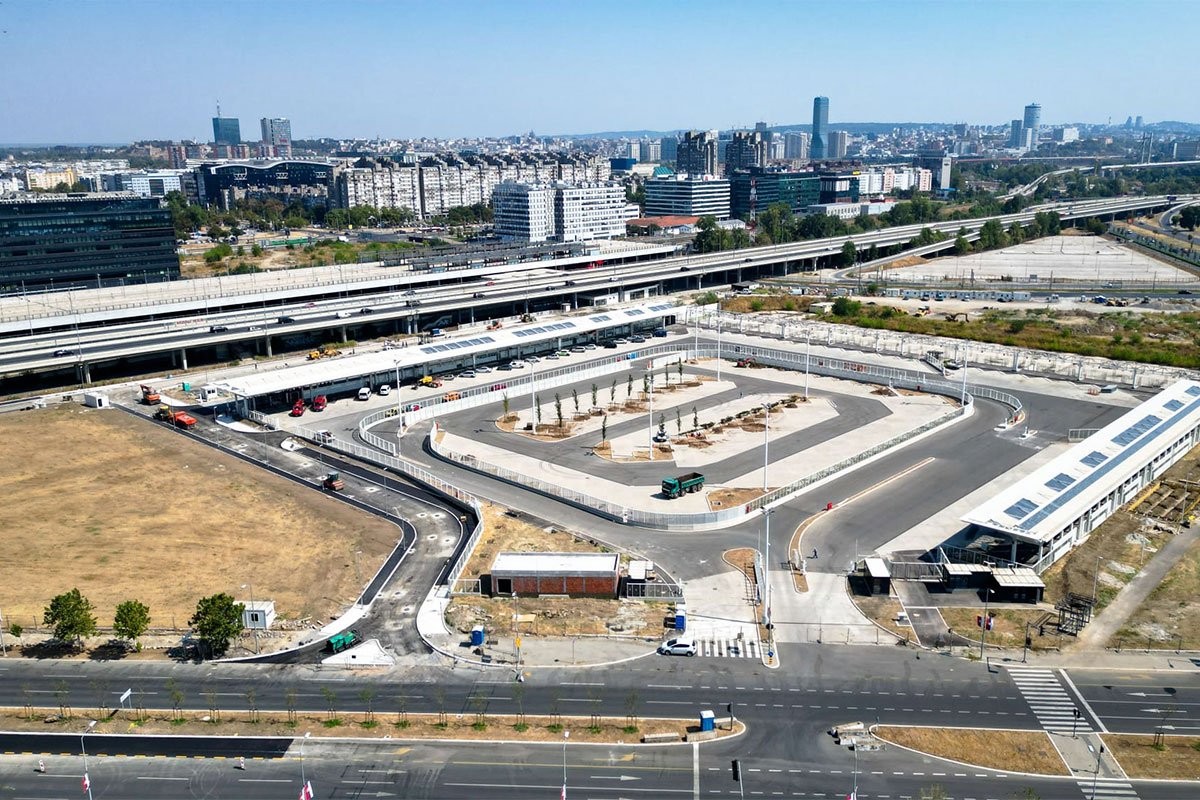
{"points": [[330, 702], [631, 708], [695, 418], [218, 619], [251, 696], [16, 631], [595, 389], [367, 696], [558, 410], [679, 369], [289, 700], [604, 428], [537, 413], [175, 694], [71, 615], [612, 392], [519, 695], [505, 402], [629, 387], [62, 693], [678, 421], [210, 695], [131, 621], [439, 698], [401, 711], [575, 400], [646, 383]]}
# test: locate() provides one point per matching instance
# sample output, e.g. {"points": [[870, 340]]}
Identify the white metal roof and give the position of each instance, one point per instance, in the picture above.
{"points": [[1059, 492], [570, 564], [1017, 578], [876, 568], [336, 370]]}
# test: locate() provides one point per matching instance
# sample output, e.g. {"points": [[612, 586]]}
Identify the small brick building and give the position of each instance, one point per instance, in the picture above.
{"points": [[574, 574]]}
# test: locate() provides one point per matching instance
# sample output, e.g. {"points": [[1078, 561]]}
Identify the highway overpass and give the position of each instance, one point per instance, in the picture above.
{"points": [[146, 337]]}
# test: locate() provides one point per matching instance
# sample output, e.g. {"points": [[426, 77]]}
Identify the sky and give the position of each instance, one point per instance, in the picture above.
{"points": [[122, 70]]}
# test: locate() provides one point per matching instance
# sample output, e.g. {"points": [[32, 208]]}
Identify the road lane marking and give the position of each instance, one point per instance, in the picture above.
{"points": [[696, 770], [1086, 707]]}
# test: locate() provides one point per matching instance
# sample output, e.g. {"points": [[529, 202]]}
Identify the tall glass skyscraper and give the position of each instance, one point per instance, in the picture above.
{"points": [[226, 130], [819, 147], [1033, 121]]}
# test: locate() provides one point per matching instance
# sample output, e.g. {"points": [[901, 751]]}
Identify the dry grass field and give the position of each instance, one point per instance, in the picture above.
{"points": [[123, 509]]}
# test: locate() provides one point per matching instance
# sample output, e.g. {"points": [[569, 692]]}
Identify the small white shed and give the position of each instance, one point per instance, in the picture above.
{"points": [[95, 400], [258, 614]]}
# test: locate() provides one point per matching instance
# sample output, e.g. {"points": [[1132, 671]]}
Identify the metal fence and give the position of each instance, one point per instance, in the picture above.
{"points": [[1084, 369], [653, 591]]}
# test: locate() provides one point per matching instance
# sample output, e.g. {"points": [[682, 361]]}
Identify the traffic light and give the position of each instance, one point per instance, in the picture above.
{"points": [[737, 770]]}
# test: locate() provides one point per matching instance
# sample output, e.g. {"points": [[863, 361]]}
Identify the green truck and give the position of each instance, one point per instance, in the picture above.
{"points": [[339, 642], [675, 487]]}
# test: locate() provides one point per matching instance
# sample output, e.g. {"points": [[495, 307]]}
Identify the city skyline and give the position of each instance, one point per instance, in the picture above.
{"points": [[395, 67]]}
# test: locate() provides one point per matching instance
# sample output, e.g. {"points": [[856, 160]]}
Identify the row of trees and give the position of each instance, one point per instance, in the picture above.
{"points": [[217, 620]]}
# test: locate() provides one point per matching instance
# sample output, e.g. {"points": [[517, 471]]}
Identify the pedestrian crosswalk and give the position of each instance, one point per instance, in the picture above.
{"points": [[727, 647], [1049, 701], [1107, 789]]}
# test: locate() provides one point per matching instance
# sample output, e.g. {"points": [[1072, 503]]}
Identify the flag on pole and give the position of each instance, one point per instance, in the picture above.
{"points": [[87, 784], [306, 791], [853, 795], [564, 792]]}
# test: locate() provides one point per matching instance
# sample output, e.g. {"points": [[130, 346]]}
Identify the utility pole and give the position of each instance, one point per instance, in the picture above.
{"points": [[983, 628]]}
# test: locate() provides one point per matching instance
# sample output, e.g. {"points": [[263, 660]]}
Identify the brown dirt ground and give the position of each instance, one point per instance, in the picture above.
{"points": [[1171, 611], [1022, 751], [883, 610], [386, 718], [725, 498], [1009, 628], [767, 302], [1178, 759], [553, 616], [123, 510]]}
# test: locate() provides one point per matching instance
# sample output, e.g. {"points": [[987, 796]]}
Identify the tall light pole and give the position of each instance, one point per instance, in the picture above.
{"points": [[254, 629], [718, 345], [1096, 578], [650, 395], [566, 735], [87, 782], [987, 593], [533, 395], [1096, 777], [766, 441], [767, 566], [303, 781]]}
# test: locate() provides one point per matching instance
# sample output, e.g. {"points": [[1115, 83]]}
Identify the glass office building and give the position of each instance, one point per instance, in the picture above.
{"points": [[53, 241]]}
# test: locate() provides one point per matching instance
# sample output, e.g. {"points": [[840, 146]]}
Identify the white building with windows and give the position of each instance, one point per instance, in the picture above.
{"points": [[589, 211], [1056, 507], [682, 196], [380, 184], [524, 211]]}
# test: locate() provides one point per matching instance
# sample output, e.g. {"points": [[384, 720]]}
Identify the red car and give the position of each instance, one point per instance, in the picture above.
{"points": [[297, 409], [319, 402]]}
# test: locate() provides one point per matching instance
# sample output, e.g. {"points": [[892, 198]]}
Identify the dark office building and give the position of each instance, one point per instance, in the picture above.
{"points": [[696, 154], [226, 130], [285, 180], [84, 240], [798, 189], [747, 149], [839, 188]]}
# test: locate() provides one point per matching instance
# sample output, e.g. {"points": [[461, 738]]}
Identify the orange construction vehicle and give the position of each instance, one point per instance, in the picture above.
{"points": [[495, 326], [180, 419], [149, 396], [333, 482]]}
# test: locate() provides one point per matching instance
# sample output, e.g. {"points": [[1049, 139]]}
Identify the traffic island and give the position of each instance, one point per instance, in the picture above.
{"points": [[475, 723], [1156, 757], [988, 748]]}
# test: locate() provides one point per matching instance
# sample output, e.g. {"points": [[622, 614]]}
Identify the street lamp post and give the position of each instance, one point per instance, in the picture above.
{"points": [[87, 782], [1096, 578], [533, 395], [650, 395], [767, 567], [1096, 777], [566, 735], [987, 593], [250, 586], [807, 357], [303, 781]]}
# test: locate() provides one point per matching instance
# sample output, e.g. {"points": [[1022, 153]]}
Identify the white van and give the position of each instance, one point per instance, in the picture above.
{"points": [[364, 393], [384, 390]]}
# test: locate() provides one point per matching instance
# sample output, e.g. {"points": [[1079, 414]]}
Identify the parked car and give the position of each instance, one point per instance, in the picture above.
{"points": [[610, 345], [364, 393], [469, 373], [578, 349], [218, 328], [660, 332], [532, 359], [384, 390], [481, 369], [637, 339], [519, 364], [682, 646]]}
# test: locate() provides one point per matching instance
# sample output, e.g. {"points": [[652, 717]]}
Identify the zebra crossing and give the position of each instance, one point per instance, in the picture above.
{"points": [[1049, 701], [732, 647], [1107, 789]]}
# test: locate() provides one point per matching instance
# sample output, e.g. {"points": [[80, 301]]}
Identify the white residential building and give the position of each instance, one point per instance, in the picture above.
{"points": [[523, 211], [381, 184], [679, 196], [589, 211]]}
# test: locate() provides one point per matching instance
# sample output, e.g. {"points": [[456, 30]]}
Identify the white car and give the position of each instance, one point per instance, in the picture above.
{"points": [[384, 389], [519, 364], [342, 315], [364, 393], [682, 646], [481, 370]]}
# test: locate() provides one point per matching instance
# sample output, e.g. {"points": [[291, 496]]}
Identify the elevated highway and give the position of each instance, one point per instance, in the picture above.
{"points": [[415, 302]]}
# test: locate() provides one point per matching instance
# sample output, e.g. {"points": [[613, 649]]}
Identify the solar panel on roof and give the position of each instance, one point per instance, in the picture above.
{"points": [[1194, 391], [1021, 508], [601, 318], [1130, 434], [1060, 481], [1094, 458], [1173, 405], [633, 312]]}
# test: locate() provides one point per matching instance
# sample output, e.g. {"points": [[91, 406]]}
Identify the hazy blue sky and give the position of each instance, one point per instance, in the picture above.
{"points": [[108, 71]]}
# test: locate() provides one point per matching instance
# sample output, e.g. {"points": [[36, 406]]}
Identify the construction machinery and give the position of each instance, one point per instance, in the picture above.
{"points": [[180, 419], [340, 641], [324, 352], [428, 380], [333, 482], [746, 362], [527, 318], [150, 395], [495, 326]]}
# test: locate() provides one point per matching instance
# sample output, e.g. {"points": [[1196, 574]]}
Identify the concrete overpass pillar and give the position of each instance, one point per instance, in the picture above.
{"points": [[345, 336], [83, 371], [1137, 374], [267, 345], [1016, 367], [183, 358]]}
